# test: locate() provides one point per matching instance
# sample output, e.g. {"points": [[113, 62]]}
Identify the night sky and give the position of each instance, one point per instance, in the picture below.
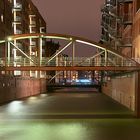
{"points": [[74, 17]]}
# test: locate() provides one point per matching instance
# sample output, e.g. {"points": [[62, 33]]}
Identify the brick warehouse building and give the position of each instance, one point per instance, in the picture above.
{"points": [[25, 18], [5, 18], [121, 31], [120, 25], [5, 21], [136, 30], [21, 17]]}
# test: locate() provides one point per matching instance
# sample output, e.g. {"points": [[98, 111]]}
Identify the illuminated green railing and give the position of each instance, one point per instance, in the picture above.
{"points": [[68, 61]]}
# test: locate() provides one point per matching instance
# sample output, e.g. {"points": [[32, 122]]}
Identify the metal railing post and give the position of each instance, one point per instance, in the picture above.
{"points": [[105, 57], [9, 52], [73, 52], [6, 50], [39, 54]]}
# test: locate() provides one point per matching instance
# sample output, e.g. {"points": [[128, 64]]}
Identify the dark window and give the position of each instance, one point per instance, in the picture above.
{"points": [[138, 5]]}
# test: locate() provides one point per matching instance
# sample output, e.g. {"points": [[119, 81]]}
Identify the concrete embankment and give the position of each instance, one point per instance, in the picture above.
{"points": [[122, 89]]}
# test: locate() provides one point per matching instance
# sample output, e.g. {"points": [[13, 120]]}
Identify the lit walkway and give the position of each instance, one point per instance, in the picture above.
{"points": [[67, 117]]}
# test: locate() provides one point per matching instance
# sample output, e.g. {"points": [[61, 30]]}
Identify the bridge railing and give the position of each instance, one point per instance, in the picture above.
{"points": [[78, 61]]}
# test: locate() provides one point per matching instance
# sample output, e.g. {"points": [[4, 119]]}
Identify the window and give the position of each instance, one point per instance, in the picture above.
{"points": [[42, 29], [29, 6], [10, 1], [1, 17], [138, 5]]}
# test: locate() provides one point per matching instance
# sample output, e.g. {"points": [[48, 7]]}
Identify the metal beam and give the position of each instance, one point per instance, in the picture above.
{"points": [[92, 57], [96, 55], [39, 54], [105, 57], [110, 60], [59, 52], [73, 52], [6, 50], [70, 68], [22, 52], [54, 76], [9, 52], [70, 38], [40, 51]]}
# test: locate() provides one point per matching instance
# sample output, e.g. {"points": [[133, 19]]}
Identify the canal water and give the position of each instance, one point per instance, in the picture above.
{"points": [[68, 115]]}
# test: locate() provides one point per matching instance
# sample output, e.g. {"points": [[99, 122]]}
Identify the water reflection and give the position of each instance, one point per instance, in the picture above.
{"points": [[14, 107], [95, 129]]}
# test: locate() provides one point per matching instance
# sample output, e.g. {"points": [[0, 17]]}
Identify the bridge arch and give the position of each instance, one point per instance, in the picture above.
{"points": [[108, 53], [64, 37]]}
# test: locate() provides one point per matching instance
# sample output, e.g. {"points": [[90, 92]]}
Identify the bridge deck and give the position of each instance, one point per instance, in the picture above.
{"points": [[70, 68]]}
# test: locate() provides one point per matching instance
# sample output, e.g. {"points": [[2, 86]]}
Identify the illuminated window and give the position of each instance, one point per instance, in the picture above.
{"points": [[29, 6], [2, 19], [10, 1]]}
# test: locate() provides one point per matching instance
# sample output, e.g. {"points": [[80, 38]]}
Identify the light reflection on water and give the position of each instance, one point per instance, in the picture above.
{"points": [[60, 131], [51, 130], [95, 129], [14, 106], [66, 129]]}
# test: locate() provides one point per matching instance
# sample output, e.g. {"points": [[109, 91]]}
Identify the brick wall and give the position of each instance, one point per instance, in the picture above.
{"points": [[12, 88]]}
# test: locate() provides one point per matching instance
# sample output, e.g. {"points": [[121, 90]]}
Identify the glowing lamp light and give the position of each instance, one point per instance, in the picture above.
{"points": [[42, 36], [9, 38]]}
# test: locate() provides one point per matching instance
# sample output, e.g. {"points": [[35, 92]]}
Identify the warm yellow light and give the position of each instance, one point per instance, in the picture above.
{"points": [[9, 38], [73, 77], [42, 36]]}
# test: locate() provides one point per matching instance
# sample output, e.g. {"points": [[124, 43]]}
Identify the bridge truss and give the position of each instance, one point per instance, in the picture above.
{"points": [[104, 59]]}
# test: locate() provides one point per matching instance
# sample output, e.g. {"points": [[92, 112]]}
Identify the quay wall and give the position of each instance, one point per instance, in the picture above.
{"points": [[12, 88], [122, 89]]}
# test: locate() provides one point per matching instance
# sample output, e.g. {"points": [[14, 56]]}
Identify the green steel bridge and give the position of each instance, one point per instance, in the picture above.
{"points": [[104, 59]]}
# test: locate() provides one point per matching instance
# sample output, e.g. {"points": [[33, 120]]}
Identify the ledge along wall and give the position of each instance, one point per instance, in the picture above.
{"points": [[12, 88]]}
